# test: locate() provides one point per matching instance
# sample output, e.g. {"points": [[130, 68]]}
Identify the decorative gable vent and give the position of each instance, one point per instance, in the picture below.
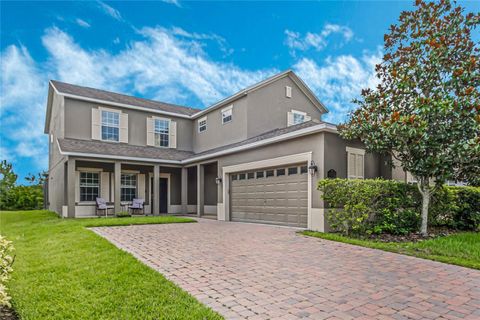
{"points": [[288, 92]]}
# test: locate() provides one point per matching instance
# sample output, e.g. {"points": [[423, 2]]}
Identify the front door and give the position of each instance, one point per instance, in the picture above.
{"points": [[163, 195]]}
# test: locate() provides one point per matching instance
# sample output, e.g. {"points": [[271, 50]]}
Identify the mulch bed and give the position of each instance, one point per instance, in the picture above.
{"points": [[413, 237], [8, 314]]}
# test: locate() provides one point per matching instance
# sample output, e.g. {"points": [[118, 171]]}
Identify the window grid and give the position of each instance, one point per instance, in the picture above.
{"points": [[226, 116], [110, 125], [298, 118], [162, 133], [202, 125], [89, 186], [128, 186]]}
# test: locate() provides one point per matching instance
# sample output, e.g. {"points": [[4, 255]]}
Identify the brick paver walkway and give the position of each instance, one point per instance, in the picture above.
{"points": [[247, 271]]}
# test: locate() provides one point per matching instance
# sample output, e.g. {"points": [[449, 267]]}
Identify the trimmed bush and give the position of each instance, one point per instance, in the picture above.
{"points": [[375, 206], [22, 198]]}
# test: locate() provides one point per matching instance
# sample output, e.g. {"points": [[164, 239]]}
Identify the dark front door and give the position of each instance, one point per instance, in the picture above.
{"points": [[163, 195]]}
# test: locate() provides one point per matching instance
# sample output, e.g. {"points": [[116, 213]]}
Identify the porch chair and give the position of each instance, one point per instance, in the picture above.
{"points": [[137, 204], [102, 205]]}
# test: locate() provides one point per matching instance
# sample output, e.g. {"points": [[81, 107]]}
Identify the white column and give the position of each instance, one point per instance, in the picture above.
{"points": [[200, 190], [116, 185], [156, 190]]}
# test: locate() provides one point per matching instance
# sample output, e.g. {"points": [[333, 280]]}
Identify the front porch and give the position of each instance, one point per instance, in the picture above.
{"points": [[165, 188]]}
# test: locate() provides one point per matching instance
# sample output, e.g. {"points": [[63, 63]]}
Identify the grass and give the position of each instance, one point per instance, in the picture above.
{"points": [[461, 249], [64, 271]]}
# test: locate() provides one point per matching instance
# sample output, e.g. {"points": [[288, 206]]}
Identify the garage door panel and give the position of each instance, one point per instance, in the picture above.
{"points": [[275, 199]]}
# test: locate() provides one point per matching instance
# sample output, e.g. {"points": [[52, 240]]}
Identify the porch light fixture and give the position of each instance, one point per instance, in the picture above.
{"points": [[312, 168], [218, 180]]}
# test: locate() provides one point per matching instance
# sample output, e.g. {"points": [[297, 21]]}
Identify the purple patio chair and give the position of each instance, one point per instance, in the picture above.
{"points": [[102, 205], [137, 204]]}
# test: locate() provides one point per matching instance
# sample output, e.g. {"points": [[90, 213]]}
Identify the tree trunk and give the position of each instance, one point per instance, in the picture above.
{"points": [[425, 191]]}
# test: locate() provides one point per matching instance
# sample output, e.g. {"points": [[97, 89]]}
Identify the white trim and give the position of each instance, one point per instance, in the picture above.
{"points": [[273, 162], [299, 112], [230, 107], [224, 110], [155, 132], [298, 133], [356, 151], [84, 169]]}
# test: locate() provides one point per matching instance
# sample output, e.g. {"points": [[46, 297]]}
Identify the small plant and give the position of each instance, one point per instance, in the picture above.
{"points": [[6, 262], [123, 214]]}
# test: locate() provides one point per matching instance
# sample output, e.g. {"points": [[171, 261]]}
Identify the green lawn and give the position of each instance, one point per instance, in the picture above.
{"points": [[462, 249], [64, 271]]}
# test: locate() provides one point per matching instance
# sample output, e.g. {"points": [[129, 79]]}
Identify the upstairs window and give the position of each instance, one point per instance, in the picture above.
{"points": [[298, 117], [202, 124], [89, 186], [110, 125], [162, 132], [128, 186], [227, 114]]}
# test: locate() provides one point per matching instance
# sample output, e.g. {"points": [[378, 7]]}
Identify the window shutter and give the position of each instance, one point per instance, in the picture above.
{"points": [[150, 132], [308, 118], [77, 186], [123, 132], [105, 185], [351, 166], [141, 186], [96, 126], [173, 134], [359, 166], [289, 119]]}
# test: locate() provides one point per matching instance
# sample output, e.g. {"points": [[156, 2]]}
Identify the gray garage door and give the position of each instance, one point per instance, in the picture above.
{"points": [[276, 196]]}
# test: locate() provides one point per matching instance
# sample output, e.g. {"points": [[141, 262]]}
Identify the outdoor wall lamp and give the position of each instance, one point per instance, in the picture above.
{"points": [[218, 180], [312, 168]]}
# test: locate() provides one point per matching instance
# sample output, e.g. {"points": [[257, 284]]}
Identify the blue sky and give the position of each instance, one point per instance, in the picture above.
{"points": [[190, 53]]}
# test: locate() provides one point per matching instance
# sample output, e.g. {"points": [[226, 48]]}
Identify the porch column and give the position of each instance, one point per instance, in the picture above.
{"points": [[116, 184], [156, 190], [184, 190], [200, 189], [71, 183]]}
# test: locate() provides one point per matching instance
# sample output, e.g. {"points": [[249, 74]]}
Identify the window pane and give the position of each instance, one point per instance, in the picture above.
{"points": [[298, 118], [227, 116], [202, 125], [89, 186], [241, 176], [280, 172], [269, 173], [128, 186], [293, 170], [162, 133], [234, 177], [260, 174], [251, 175], [110, 124], [303, 169]]}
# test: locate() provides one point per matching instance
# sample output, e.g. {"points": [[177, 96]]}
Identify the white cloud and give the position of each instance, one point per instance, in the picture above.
{"points": [[82, 23], [318, 41], [339, 80], [112, 12], [174, 2]]}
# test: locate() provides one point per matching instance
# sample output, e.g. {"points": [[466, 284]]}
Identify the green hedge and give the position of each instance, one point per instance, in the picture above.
{"points": [[386, 206], [22, 198]]}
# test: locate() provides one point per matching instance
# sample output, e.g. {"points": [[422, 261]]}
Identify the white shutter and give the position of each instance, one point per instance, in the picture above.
{"points": [[105, 185], [359, 166], [141, 186], [96, 124], [173, 134], [123, 135], [150, 132], [77, 186], [289, 119], [351, 166], [307, 118]]}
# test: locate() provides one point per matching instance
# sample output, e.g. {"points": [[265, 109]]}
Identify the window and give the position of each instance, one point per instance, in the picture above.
{"points": [[128, 186], [110, 125], [288, 92], [241, 176], [280, 172], [303, 169], [355, 163], [162, 132], [227, 114], [293, 170], [234, 177], [250, 175], [260, 174], [202, 124], [269, 173], [89, 186], [298, 117]]}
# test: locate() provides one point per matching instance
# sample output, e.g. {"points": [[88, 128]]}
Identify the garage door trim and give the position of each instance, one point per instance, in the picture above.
{"points": [[272, 162]]}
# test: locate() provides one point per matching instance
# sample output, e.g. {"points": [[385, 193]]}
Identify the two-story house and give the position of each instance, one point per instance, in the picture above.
{"points": [[255, 156]]}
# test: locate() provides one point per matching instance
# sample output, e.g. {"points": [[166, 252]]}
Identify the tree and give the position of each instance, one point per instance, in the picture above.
{"points": [[7, 180], [426, 110]]}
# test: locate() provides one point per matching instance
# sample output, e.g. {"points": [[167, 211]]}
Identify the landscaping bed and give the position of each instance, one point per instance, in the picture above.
{"points": [[62, 270]]}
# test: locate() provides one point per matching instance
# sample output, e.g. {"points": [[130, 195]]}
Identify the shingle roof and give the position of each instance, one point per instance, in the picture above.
{"points": [[69, 145], [93, 93], [120, 149]]}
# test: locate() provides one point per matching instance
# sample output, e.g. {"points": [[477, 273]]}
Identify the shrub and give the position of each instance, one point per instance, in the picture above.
{"points": [[386, 206], [6, 261], [22, 198]]}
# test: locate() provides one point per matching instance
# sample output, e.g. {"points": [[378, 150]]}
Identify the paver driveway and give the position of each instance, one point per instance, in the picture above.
{"points": [[265, 272]]}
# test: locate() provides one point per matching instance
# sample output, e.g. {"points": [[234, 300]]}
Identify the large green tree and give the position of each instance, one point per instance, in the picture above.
{"points": [[426, 110]]}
